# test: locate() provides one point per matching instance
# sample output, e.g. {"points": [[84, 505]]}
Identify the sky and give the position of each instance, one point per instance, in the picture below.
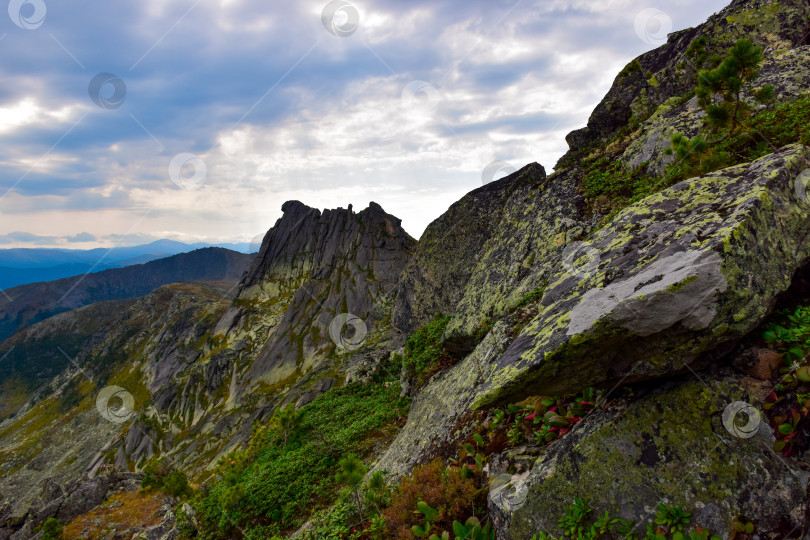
{"points": [[194, 120]]}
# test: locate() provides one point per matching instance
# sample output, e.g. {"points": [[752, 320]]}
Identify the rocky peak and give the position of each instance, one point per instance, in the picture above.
{"points": [[313, 267], [305, 238]]}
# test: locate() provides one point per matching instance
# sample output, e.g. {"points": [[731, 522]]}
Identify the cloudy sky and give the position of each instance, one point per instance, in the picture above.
{"points": [[122, 122]]}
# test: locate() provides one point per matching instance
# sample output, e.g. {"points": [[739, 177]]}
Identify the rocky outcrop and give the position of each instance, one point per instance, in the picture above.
{"points": [[669, 446], [669, 282], [435, 279], [692, 268], [305, 239], [788, 72], [65, 503], [314, 268], [774, 24], [489, 250]]}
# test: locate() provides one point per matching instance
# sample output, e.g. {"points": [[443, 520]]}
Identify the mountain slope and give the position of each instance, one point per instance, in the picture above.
{"points": [[24, 305], [59, 432], [198, 363]]}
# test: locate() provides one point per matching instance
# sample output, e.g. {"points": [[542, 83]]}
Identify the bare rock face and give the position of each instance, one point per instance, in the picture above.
{"points": [[321, 284], [66, 502], [489, 250]]}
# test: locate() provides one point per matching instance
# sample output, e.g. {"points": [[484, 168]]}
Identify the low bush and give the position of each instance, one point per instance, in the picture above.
{"points": [[423, 350], [159, 474], [447, 490]]}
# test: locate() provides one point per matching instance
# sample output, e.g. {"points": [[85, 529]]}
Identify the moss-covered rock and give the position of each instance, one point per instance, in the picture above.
{"points": [[787, 70], [671, 447], [472, 256], [492, 248], [676, 277], [688, 269]]}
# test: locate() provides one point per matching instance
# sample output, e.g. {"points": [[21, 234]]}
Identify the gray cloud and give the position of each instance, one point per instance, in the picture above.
{"points": [[279, 108]]}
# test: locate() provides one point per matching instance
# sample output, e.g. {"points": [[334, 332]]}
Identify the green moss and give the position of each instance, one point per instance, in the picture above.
{"points": [[533, 296], [675, 287], [754, 17], [609, 185], [632, 67]]}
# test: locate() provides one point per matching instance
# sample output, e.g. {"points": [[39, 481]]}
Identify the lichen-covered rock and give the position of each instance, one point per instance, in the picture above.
{"points": [[311, 268], [672, 279], [450, 249], [488, 250], [440, 412], [689, 269], [788, 71], [670, 447], [666, 72]]}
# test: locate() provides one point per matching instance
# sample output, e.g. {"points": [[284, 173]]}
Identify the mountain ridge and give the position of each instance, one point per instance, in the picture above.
{"points": [[22, 305], [20, 266]]}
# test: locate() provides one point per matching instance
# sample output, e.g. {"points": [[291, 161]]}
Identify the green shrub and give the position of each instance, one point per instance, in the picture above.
{"points": [[281, 485], [334, 523], [159, 474], [423, 350], [719, 93], [51, 529], [183, 523], [632, 67], [350, 474], [610, 186], [176, 484]]}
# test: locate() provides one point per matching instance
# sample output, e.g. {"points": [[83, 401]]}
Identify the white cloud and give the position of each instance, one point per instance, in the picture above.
{"points": [[331, 130], [28, 112]]}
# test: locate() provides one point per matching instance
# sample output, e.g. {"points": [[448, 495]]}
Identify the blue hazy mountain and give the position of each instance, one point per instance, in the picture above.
{"points": [[19, 266]]}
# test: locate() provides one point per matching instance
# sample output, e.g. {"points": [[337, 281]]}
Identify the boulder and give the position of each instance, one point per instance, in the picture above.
{"points": [[363, 366], [672, 447], [668, 283]]}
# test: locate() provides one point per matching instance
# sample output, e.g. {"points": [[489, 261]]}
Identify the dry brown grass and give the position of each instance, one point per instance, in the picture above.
{"points": [[136, 510]]}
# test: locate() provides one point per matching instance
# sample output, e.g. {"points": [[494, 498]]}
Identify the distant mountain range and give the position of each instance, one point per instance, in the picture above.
{"points": [[19, 266], [27, 304]]}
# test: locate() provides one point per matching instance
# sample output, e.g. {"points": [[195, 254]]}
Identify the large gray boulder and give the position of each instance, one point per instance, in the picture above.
{"points": [[668, 281]]}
